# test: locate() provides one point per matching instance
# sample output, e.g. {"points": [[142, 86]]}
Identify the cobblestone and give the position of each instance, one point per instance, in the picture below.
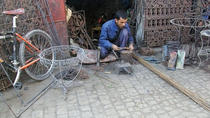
{"points": [[111, 112], [87, 114], [143, 95], [61, 110], [74, 113], [62, 116], [123, 113], [37, 114]]}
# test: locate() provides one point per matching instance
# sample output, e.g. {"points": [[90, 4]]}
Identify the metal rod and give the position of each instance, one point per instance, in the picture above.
{"points": [[196, 98], [35, 98]]}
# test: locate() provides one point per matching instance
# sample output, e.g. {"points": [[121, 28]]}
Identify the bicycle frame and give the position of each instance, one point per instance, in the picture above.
{"points": [[30, 46], [17, 37], [30, 61]]}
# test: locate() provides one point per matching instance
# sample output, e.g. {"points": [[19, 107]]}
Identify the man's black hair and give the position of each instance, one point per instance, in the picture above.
{"points": [[121, 14]]}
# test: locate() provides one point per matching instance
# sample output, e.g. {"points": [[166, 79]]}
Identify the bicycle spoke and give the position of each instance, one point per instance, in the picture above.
{"points": [[37, 68], [41, 40], [43, 44], [40, 43], [28, 56], [38, 40], [41, 68], [34, 67]]}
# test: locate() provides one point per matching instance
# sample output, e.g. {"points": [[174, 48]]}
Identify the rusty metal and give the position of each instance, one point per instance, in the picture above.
{"points": [[26, 22], [37, 16], [157, 15], [167, 3], [146, 51], [56, 8], [77, 30], [190, 27], [33, 18], [194, 26], [47, 17]]}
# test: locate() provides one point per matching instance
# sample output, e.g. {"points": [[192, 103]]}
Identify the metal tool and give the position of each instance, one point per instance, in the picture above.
{"points": [[123, 48], [115, 54], [98, 56]]}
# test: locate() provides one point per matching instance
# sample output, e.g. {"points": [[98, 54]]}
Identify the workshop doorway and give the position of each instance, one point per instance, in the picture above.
{"points": [[98, 11]]}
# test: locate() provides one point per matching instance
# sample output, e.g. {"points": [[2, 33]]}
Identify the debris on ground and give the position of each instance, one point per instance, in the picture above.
{"points": [[146, 51], [83, 74], [152, 59]]}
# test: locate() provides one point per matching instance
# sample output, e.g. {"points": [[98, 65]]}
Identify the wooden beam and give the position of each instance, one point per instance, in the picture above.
{"points": [[196, 98]]}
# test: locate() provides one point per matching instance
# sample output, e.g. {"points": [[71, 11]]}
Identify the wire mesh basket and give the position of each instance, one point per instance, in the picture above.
{"points": [[190, 22], [66, 61]]}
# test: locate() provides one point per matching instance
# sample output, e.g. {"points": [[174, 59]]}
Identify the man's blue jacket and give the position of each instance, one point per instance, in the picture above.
{"points": [[109, 34]]}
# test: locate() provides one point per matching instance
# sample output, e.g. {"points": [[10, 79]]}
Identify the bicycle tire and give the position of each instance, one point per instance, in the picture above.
{"points": [[41, 40]]}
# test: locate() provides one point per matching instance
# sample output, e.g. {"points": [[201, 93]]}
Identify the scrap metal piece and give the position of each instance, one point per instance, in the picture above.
{"points": [[125, 68], [77, 30]]}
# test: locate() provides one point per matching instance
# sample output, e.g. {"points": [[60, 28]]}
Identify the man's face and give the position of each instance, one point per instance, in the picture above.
{"points": [[121, 22]]}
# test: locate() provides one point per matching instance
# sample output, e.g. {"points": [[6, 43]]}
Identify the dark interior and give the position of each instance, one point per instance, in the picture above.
{"points": [[94, 9]]}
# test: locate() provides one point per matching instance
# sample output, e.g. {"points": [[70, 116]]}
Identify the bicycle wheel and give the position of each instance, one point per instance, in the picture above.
{"points": [[41, 40]]}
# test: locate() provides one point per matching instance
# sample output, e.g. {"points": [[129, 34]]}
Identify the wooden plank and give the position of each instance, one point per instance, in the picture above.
{"points": [[196, 98]]}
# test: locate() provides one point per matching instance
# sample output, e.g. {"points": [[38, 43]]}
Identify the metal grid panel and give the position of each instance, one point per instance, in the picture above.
{"points": [[30, 20], [158, 14]]}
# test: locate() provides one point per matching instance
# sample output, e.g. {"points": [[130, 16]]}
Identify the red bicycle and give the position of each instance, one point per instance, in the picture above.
{"points": [[29, 47]]}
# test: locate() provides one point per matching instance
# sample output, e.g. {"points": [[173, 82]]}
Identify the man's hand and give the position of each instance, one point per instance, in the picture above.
{"points": [[131, 47], [115, 47]]}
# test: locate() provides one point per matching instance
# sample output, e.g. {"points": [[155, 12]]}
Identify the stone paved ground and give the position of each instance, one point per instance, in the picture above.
{"points": [[192, 78], [142, 95]]}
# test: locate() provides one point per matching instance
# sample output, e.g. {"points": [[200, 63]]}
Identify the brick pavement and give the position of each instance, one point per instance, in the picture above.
{"points": [[142, 95]]}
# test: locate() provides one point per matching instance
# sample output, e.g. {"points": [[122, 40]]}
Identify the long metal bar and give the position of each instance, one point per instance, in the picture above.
{"points": [[35, 98], [196, 98]]}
